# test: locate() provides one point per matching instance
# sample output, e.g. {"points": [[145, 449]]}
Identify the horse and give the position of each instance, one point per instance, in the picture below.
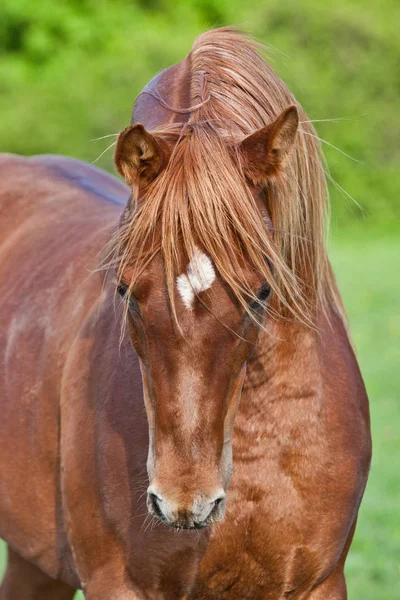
{"points": [[182, 413]]}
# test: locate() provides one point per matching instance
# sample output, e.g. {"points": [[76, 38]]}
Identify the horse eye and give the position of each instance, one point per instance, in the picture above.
{"points": [[264, 292], [262, 296], [122, 289]]}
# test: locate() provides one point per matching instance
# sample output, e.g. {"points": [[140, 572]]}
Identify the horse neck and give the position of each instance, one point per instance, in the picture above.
{"points": [[284, 380]]}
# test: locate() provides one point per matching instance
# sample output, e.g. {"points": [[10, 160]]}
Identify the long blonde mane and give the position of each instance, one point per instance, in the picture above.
{"points": [[202, 197]]}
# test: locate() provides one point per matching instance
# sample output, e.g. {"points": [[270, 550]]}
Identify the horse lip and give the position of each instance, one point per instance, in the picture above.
{"points": [[210, 520]]}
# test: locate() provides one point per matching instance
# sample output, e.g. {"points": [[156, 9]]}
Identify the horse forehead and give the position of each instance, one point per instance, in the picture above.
{"points": [[196, 285], [199, 277]]}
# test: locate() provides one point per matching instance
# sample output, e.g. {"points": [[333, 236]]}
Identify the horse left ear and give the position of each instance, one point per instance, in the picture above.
{"points": [[266, 150], [139, 155]]}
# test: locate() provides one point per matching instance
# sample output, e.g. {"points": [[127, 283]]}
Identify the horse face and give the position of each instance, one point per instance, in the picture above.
{"points": [[193, 362], [193, 370]]}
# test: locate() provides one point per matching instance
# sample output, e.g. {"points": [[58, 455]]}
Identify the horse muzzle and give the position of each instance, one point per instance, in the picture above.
{"points": [[196, 513]]}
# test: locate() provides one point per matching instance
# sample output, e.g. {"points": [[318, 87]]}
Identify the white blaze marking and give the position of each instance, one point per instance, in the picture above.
{"points": [[189, 390], [200, 276]]}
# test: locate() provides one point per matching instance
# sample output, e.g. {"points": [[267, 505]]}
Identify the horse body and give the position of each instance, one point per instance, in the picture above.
{"points": [[47, 246], [74, 429]]}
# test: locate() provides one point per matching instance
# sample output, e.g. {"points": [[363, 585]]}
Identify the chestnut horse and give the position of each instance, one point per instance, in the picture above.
{"points": [[225, 455]]}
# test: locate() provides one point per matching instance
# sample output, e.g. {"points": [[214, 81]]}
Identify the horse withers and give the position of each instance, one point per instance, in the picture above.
{"points": [[225, 454]]}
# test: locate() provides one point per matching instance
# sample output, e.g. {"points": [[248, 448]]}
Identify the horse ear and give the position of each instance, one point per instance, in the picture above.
{"points": [[265, 150], [140, 156]]}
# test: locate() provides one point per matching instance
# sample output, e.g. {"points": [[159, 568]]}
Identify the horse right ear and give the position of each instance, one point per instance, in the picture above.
{"points": [[140, 156]]}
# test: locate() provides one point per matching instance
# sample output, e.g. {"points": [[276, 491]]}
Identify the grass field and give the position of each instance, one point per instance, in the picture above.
{"points": [[368, 276]]}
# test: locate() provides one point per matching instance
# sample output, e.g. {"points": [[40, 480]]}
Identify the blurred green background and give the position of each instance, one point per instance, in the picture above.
{"points": [[70, 70]]}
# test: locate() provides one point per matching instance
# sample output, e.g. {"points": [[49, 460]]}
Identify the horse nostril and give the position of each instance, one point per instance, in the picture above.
{"points": [[217, 503], [191, 515], [155, 502]]}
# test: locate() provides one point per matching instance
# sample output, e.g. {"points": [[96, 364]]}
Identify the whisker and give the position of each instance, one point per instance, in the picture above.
{"points": [[103, 137], [104, 151], [138, 516], [346, 193], [334, 119], [332, 146]]}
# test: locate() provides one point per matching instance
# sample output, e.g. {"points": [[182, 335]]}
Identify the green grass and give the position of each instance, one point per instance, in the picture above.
{"points": [[366, 270], [368, 276]]}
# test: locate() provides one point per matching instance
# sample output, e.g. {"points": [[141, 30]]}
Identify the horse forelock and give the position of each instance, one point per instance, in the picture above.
{"points": [[202, 199]]}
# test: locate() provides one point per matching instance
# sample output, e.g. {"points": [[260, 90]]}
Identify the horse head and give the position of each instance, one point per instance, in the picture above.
{"points": [[195, 295]]}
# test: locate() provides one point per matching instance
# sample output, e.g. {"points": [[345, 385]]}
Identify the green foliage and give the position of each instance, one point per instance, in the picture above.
{"points": [[69, 72]]}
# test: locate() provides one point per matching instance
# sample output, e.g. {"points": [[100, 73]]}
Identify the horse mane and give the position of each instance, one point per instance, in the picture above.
{"points": [[202, 198]]}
